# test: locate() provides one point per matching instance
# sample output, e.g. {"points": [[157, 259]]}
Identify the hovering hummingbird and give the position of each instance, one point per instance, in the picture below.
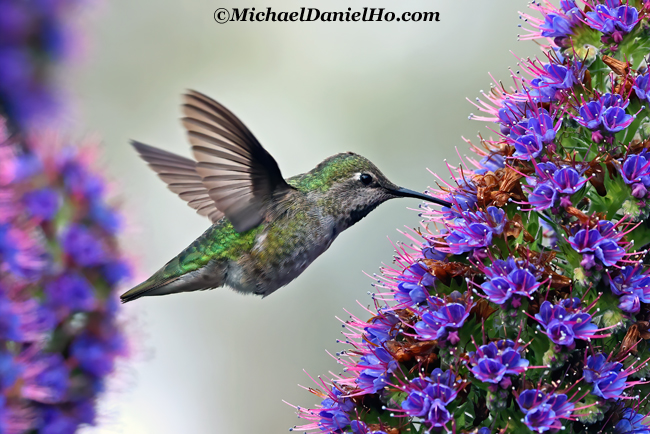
{"points": [[266, 230]]}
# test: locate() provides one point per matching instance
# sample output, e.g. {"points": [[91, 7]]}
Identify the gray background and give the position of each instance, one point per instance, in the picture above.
{"points": [[216, 361]]}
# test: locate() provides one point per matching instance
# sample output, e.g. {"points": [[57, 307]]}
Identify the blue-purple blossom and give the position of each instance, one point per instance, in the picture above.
{"points": [[59, 271], [635, 172], [607, 112], [413, 286], [333, 416], [43, 203], [642, 86], [564, 326], [71, 292], [509, 279], [443, 322], [375, 369], [428, 398], [632, 285], [608, 378], [593, 246], [544, 412], [612, 19], [555, 25], [475, 229], [492, 362], [632, 423], [84, 248], [528, 147]]}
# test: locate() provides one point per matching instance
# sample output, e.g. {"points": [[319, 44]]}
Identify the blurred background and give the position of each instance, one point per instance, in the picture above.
{"points": [[216, 361]]}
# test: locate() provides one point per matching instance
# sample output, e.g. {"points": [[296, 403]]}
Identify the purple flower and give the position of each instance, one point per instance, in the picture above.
{"points": [[9, 370], [632, 423], [642, 86], [593, 246], [412, 289], [632, 285], [568, 181], [43, 203], [543, 412], [615, 119], [474, 230], [564, 327], [71, 292], [492, 362], [46, 378], [375, 369], [381, 328], [334, 421], [542, 197], [558, 76], [555, 25], [20, 252], [437, 324], [611, 19], [10, 319], [528, 147], [636, 168], [82, 246], [509, 279], [428, 398], [541, 91], [95, 354], [52, 290], [590, 115]]}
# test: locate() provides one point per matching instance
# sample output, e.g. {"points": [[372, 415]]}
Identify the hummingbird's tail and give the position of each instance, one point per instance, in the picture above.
{"points": [[151, 286], [174, 277]]}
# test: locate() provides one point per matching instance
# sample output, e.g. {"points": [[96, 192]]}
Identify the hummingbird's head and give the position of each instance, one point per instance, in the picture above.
{"points": [[351, 186]]}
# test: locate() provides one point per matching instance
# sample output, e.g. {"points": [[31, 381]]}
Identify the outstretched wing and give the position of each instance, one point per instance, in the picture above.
{"points": [[179, 173], [240, 176]]}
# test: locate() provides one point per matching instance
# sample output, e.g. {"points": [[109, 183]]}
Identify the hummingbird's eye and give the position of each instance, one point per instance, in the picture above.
{"points": [[365, 179]]}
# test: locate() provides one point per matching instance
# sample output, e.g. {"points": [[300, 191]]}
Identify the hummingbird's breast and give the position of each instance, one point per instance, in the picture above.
{"points": [[283, 249]]}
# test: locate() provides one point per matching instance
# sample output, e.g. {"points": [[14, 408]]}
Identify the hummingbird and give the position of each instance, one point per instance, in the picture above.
{"points": [[266, 230]]}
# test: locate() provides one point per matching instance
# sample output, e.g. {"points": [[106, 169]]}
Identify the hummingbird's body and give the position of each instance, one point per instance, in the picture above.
{"points": [[266, 230]]}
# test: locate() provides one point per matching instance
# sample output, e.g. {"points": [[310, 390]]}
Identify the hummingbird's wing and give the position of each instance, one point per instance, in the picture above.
{"points": [[242, 178], [179, 173]]}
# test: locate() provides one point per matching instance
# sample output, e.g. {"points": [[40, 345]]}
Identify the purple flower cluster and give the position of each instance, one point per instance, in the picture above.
{"points": [[414, 281], [474, 230], [599, 244], [560, 23], [607, 112], [496, 361], [566, 322], [429, 397], [632, 285], [529, 135], [642, 86], [34, 37], [608, 378], [509, 280], [544, 412], [442, 320], [635, 172], [553, 184], [58, 300], [613, 18], [632, 423], [542, 250], [334, 415]]}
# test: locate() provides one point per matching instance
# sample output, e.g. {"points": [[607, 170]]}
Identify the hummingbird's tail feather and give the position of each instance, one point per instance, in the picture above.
{"points": [[179, 276], [148, 287]]}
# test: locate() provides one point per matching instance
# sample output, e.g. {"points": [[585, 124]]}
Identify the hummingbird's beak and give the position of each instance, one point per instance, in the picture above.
{"points": [[405, 192]]}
